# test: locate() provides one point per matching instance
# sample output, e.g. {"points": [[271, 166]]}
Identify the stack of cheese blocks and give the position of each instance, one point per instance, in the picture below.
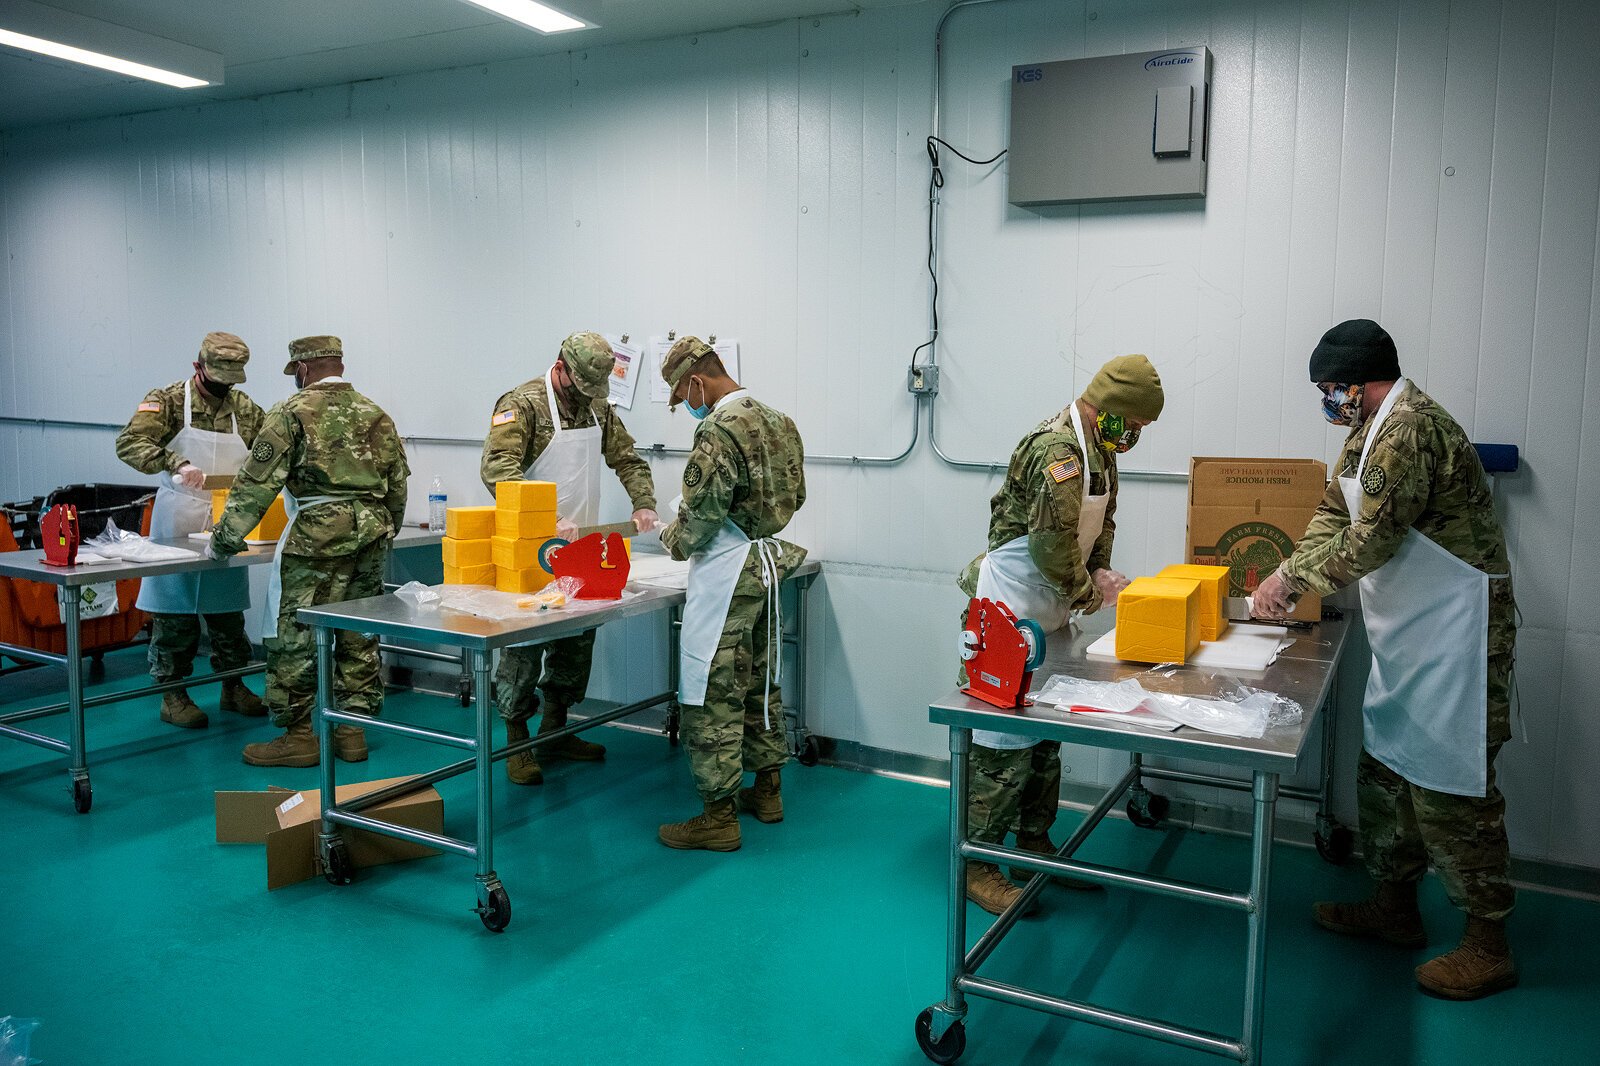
{"points": [[500, 545], [1163, 619]]}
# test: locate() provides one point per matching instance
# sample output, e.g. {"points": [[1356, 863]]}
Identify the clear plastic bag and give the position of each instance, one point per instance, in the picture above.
{"points": [[418, 595], [502, 606], [15, 1036], [1211, 702], [115, 543]]}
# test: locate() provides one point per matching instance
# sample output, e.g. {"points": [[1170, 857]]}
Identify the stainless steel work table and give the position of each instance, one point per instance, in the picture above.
{"points": [[30, 566], [1304, 672], [479, 638]]}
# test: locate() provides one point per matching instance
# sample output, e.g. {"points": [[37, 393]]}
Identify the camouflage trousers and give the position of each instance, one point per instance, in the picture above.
{"points": [[729, 733], [560, 669], [292, 657], [1405, 826], [1012, 791], [175, 640]]}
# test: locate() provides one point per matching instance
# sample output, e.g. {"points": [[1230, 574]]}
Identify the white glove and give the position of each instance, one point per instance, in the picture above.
{"points": [[1110, 583], [644, 520], [206, 552], [191, 476], [566, 530]]}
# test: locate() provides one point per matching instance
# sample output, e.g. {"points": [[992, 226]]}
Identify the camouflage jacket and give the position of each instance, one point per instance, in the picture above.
{"points": [[325, 440], [1041, 499], [748, 466], [1424, 474], [520, 431], [142, 444]]}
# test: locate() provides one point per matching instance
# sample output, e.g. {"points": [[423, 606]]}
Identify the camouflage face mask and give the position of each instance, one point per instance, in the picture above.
{"points": [[1116, 435], [1341, 404]]}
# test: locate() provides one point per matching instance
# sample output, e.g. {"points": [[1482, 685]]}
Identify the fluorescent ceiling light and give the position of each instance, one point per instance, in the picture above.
{"points": [[95, 59], [93, 42], [541, 17]]}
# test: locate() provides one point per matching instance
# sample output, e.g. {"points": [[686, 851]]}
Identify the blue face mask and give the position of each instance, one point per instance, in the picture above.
{"points": [[698, 412]]}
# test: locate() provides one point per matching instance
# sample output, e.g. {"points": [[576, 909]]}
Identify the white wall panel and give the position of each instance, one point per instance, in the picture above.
{"points": [[1429, 163]]}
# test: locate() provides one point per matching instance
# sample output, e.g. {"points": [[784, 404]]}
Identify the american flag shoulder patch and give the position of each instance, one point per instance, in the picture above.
{"points": [[502, 418], [150, 406], [1064, 471]]}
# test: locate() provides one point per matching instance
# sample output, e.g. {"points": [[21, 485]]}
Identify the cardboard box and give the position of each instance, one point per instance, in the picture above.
{"points": [[469, 575], [469, 523], [287, 822], [525, 525], [462, 554], [1247, 515], [525, 495], [530, 580], [267, 531]]}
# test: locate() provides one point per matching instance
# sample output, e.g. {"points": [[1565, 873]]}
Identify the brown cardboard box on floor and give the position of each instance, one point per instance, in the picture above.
{"points": [[287, 821], [1247, 515]]}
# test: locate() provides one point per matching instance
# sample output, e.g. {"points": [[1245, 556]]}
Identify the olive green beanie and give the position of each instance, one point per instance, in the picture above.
{"points": [[1128, 386]]}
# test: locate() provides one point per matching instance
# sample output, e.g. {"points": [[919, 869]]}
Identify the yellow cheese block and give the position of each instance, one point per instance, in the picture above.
{"points": [[1158, 620], [531, 579], [1213, 595], [469, 523], [465, 553], [267, 531], [469, 575], [525, 496], [524, 525], [515, 553]]}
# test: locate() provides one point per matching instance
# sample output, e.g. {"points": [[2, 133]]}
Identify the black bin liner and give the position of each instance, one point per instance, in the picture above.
{"points": [[24, 515], [123, 504]]}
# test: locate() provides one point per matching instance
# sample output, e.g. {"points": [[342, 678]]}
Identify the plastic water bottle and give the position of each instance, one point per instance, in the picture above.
{"points": [[436, 504]]}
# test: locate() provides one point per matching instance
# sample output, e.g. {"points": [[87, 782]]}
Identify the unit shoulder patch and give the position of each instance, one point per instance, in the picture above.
{"points": [[263, 451], [150, 407], [502, 418], [693, 475], [1065, 470], [1373, 480]]}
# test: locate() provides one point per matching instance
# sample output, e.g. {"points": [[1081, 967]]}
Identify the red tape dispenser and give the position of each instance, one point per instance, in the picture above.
{"points": [[1000, 652], [599, 560], [59, 530]]}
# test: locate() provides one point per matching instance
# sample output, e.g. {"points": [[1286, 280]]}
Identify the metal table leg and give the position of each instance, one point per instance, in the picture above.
{"points": [[805, 745], [336, 866], [77, 756], [674, 643], [941, 1031], [1255, 978], [494, 904]]}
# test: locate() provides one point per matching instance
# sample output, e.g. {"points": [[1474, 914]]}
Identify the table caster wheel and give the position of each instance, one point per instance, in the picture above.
{"points": [[949, 1047], [671, 727], [1335, 846], [1149, 813], [336, 864], [97, 667], [495, 909], [464, 692], [82, 795], [810, 752]]}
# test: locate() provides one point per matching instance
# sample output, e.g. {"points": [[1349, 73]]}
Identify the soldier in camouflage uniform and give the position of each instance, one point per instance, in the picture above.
{"points": [[338, 455], [214, 404], [1015, 781], [519, 432], [1422, 474], [744, 480]]}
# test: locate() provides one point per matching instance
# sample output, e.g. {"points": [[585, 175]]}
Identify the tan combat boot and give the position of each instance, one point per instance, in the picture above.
{"points": [[297, 747], [237, 699], [763, 799], [350, 743], [988, 889], [1040, 845], [179, 710], [1481, 966], [1390, 915], [522, 768], [717, 829], [574, 748]]}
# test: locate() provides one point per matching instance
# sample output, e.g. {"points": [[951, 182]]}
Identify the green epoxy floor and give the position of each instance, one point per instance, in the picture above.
{"points": [[137, 939]]}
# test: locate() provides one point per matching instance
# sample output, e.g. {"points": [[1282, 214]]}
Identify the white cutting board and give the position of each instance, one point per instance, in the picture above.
{"points": [[662, 571], [1247, 648]]}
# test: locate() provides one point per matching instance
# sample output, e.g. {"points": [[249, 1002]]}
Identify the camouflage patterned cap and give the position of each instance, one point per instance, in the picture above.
{"points": [[589, 360], [319, 347], [223, 356], [681, 357]]}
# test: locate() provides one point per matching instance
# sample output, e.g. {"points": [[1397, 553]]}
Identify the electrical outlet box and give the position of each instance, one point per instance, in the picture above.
{"points": [[1129, 127], [923, 380]]}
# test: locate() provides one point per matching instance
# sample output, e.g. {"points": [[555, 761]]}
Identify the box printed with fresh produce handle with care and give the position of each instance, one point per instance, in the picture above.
{"points": [[1248, 514]]}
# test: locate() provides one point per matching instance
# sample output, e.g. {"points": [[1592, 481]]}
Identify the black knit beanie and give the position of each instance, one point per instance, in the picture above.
{"points": [[1355, 352]]}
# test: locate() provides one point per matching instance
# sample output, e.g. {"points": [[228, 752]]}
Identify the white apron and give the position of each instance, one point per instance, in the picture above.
{"points": [[1008, 574], [292, 509], [571, 460], [1425, 711], [179, 511]]}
